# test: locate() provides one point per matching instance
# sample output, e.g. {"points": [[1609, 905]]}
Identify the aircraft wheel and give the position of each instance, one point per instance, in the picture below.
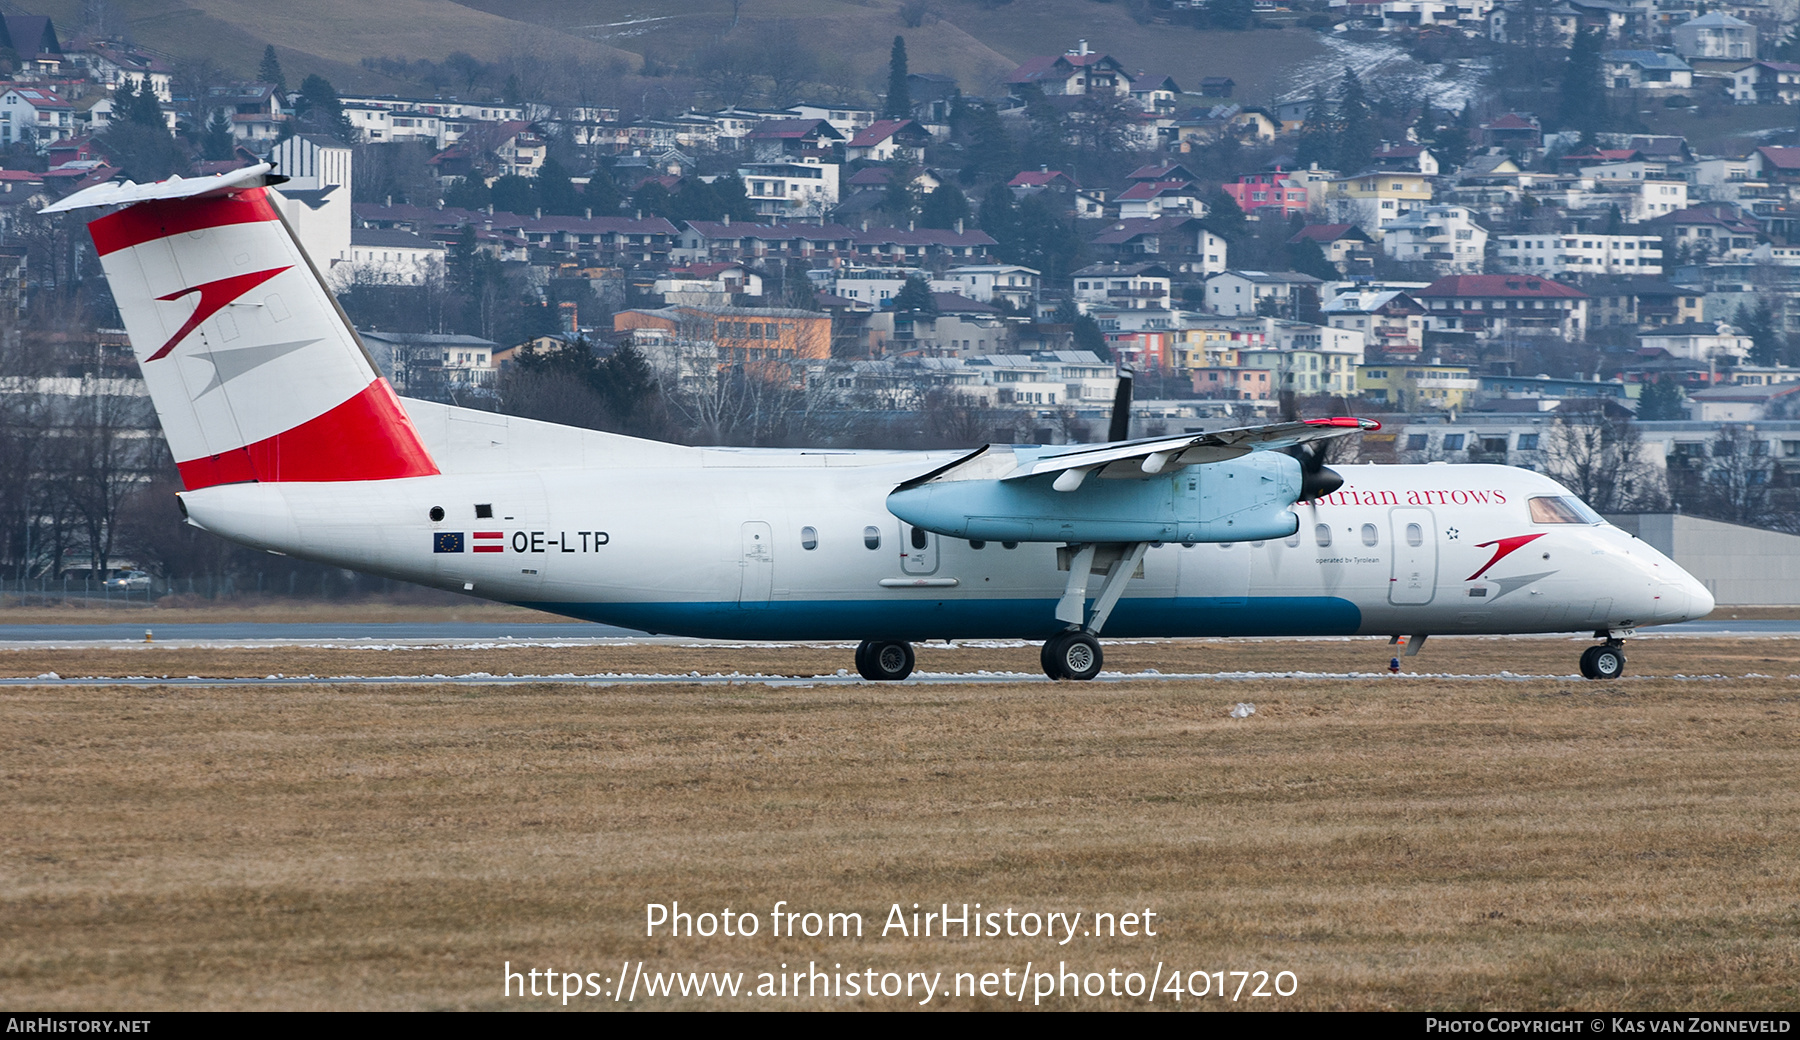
{"points": [[1603, 662], [1072, 655], [883, 660]]}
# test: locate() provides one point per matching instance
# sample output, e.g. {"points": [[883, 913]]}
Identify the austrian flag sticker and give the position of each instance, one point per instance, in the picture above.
{"points": [[490, 541]]}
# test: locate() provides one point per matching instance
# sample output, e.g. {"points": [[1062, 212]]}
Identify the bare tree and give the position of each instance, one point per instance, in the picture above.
{"points": [[1603, 460]]}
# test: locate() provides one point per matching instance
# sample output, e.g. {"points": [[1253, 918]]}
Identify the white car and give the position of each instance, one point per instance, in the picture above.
{"points": [[129, 580]]}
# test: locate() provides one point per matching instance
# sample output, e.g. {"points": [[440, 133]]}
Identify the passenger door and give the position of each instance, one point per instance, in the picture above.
{"points": [[1414, 579]]}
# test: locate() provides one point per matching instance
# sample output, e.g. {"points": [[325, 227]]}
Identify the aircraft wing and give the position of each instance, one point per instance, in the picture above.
{"points": [[1141, 458]]}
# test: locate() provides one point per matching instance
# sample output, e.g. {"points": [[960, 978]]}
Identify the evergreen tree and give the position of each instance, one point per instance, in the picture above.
{"points": [[1089, 337], [990, 148], [218, 142], [798, 291], [1427, 126], [270, 72], [512, 194], [899, 96], [651, 199], [1759, 324], [734, 198], [319, 110], [601, 194], [998, 214], [141, 107], [1224, 217], [1660, 401], [1305, 256], [468, 193], [915, 297], [944, 207], [1584, 87], [1357, 134], [554, 192], [1318, 135], [1451, 146], [900, 198]]}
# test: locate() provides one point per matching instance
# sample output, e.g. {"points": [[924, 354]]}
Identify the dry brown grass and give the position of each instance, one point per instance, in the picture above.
{"points": [[1412, 843]]}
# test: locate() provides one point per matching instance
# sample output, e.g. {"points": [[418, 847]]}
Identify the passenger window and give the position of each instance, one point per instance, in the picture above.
{"points": [[919, 538], [872, 537], [1256, 545], [1009, 545], [809, 538], [1293, 540], [977, 544], [1322, 535], [1415, 535], [1369, 534]]}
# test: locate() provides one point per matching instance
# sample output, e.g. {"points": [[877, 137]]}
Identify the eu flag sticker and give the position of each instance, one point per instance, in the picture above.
{"points": [[447, 541]]}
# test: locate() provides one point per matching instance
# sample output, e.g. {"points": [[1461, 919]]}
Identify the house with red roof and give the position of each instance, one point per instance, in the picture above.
{"points": [[886, 140], [34, 114], [1492, 305], [1148, 199]]}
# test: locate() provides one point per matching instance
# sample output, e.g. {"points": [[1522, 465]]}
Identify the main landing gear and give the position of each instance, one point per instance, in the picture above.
{"points": [[884, 660], [1074, 653], [1606, 661]]}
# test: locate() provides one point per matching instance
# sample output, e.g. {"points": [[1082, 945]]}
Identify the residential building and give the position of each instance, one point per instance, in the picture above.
{"points": [[1245, 292], [1272, 191], [1698, 341], [1183, 244], [1374, 200], [1490, 305], [1393, 321], [694, 343], [793, 190], [889, 140], [1714, 35], [1444, 237], [34, 115], [1766, 83], [1418, 386], [391, 258], [1346, 246], [1557, 255], [1138, 286], [1078, 71], [1646, 70], [1711, 231], [1015, 286], [1642, 301]]}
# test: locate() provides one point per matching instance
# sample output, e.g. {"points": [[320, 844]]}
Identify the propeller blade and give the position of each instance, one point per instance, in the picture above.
{"points": [[1120, 428]]}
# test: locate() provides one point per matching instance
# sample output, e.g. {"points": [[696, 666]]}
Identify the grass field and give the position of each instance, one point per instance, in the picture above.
{"points": [[1396, 843]]}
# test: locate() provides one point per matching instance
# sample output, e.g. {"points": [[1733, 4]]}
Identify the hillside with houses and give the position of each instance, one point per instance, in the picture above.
{"points": [[1491, 249]]}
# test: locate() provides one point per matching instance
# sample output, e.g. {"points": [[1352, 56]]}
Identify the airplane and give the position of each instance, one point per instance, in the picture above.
{"points": [[288, 439]]}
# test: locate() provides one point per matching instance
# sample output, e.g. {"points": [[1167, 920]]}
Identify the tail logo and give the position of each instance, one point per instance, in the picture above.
{"points": [[214, 297]]}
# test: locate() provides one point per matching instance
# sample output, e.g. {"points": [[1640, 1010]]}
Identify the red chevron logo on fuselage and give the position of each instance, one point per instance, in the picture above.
{"points": [[214, 297], [1504, 548]]}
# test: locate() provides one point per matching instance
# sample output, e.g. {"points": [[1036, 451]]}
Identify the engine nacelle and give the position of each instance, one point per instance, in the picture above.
{"points": [[1238, 500]]}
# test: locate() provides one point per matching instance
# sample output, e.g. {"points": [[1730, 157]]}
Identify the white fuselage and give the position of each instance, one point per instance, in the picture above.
{"points": [[791, 545]]}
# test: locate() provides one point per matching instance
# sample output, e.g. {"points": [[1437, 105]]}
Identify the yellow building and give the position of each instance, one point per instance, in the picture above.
{"points": [[1417, 387], [1211, 348], [1375, 199]]}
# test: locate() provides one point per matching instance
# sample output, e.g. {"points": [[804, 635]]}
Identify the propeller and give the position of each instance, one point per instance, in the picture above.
{"points": [[1316, 479], [1120, 427]]}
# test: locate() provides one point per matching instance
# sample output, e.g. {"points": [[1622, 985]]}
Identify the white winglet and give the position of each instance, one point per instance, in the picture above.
{"points": [[116, 194]]}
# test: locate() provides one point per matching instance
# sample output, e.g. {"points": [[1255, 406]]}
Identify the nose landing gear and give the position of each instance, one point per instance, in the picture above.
{"points": [[1606, 661]]}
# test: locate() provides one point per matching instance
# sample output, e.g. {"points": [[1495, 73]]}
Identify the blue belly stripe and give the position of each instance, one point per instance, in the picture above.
{"points": [[971, 618]]}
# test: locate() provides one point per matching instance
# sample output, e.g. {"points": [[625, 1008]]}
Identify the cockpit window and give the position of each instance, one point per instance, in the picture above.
{"points": [[1562, 509]]}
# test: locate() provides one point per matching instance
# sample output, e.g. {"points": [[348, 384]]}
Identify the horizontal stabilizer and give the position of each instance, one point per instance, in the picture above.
{"points": [[119, 194]]}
